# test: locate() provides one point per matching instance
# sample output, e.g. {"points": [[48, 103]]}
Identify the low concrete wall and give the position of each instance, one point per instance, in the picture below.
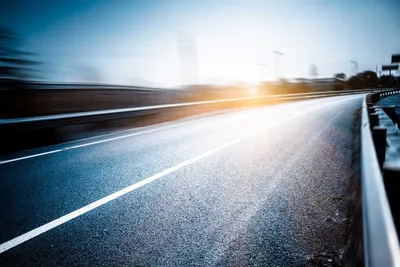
{"points": [[37, 102]]}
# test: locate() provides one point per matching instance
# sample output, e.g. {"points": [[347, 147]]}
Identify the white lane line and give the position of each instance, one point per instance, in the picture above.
{"points": [[57, 222], [292, 117], [96, 142], [31, 156], [48, 226]]}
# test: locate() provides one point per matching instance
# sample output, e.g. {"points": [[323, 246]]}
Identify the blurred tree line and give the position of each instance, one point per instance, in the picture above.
{"points": [[16, 67], [369, 79], [363, 80]]}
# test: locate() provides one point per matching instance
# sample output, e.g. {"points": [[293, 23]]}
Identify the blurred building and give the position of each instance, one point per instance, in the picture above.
{"points": [[188, 58], [318, 84]]}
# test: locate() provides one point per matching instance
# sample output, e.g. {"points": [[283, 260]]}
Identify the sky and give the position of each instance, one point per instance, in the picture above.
{"points": [[228, 41]]}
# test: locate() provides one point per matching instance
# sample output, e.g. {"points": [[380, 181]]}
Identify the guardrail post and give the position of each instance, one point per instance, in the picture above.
{"points": [[391, 112], [391, 175], [376, 97], [371, 110], [379, 137], [373, 119]]}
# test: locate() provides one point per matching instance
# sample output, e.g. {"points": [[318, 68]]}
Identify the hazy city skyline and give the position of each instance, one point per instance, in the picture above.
{"points": [[136, 42]]}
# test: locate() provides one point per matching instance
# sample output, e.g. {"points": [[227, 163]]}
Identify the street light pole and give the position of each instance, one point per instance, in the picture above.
{"points": [[262, 65], [276, 53], [355, 63]]}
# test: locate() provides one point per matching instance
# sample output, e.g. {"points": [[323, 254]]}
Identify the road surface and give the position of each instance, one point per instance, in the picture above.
{"points": [[258, 187]]}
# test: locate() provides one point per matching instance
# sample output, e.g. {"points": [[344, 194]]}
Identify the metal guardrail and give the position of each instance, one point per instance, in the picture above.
{"points": [[126, 112], [381, 244]]}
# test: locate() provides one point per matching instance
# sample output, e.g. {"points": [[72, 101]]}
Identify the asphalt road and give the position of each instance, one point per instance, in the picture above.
{"points": [[258, 187]]}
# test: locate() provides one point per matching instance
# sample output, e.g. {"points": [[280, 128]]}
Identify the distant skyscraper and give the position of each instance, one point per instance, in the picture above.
{"points": [[188, 58]]}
